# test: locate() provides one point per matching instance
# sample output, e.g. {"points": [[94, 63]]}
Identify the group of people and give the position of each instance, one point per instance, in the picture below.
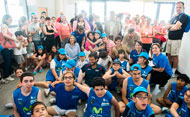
{"points": [[86, 62]]}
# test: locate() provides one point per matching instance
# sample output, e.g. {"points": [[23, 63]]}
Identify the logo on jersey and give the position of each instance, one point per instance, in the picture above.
{"points": [[96, 111], [75, 96]]}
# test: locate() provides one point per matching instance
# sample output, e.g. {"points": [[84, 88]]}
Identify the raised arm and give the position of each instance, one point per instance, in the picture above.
{"points": [[108, 75], [83, 88], [116, 106], [124, 91], [80, 77], [15, 112], [39, 97]]}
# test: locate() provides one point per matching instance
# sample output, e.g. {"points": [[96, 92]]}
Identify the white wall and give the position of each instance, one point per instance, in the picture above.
{"points": [[33, 6], [184, 57]]}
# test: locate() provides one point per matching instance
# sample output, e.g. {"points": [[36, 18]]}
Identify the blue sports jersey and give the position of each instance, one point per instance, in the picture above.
{"points": [[131, 86], [133, 112], [76, 72], [182, 110], [145, 71], [134, 55], [78, 36], [123, 64], [67, 99], [58, 67], [98, 106], [24, 104], [174, 94], [114, 82], [161, 61]]}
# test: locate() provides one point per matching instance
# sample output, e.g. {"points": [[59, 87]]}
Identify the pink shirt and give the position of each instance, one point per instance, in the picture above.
{"points": [[109, 46], [87, 45], [64, 30]]}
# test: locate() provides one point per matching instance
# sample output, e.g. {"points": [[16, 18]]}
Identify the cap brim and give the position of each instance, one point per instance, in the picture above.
{"points": [[68, 66]]}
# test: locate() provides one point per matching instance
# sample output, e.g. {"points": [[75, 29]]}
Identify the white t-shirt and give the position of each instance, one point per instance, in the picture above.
{"points": [[105, 62], [80, 64], [52, 64], [24, 51], [16, 50]]}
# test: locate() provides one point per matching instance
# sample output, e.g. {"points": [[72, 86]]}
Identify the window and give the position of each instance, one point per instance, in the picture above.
{"points": [[2, 11], [165, 12], [98, 9], [150, 13], [17, 9], [83, 6]]}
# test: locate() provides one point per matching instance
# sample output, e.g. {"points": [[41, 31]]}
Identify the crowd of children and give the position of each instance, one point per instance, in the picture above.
{"points": [[89, 64]]}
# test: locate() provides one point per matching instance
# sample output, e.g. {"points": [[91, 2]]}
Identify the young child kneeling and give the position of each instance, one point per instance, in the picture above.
{"points": [[139, 107]]}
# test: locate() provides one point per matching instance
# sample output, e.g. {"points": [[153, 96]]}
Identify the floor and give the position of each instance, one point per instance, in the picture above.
{"points": [[7, 89]]}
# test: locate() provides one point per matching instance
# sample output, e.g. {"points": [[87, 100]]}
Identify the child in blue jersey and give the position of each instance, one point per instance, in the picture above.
{"points": [[56, 65], [146, 69], [114, 77], [139, 107], [174, 90], [25, 96], [162, 71], [124, 62], [39, 109], [130, 84], [70, 66], [67, 96], [99, 99], [134, 53], [181, 106]]}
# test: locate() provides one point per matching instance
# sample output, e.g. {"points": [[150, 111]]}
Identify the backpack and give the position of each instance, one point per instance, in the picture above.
{"points": [[187, 28]]}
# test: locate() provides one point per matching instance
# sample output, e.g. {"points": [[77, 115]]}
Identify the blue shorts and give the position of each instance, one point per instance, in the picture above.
{"points": [[50, 77]]}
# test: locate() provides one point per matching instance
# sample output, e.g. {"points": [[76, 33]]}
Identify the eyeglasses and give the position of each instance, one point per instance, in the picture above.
{"points": [[68, 78], [142, 98]]}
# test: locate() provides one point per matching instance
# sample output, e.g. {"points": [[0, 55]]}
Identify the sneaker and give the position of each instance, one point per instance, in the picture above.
{"points": [[41, 70], [35, 72], [46, 92], [10, 79], [3, 81], [9, 105], [52, 101], [26, 69], [165, 110], [173, 76]]}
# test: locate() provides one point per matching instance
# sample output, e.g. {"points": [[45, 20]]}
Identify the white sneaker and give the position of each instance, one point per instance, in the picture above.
{"points": [[52, 101], [46, 92], [10, 79], [173, 76], [9, 105], [3, 81]]}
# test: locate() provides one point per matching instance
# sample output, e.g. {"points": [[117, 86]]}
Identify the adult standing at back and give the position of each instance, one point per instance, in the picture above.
{"points": [[64, 31], [6, 52], [131, 38], [49, 30], [176, 28], [34, 30], [110, 26]]}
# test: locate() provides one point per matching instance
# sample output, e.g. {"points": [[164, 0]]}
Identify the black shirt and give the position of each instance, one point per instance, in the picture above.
{"points": [[178, 34], [91, 73]]}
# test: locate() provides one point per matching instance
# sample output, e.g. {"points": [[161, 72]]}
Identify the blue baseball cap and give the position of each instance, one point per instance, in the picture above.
{"points": [[70, 63], [97, 31], [116, 61], [1, 47], [62, 51], [103, 35], [135, 67], [40, 47], [82, 54], [144, 54], [139, 89]]}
